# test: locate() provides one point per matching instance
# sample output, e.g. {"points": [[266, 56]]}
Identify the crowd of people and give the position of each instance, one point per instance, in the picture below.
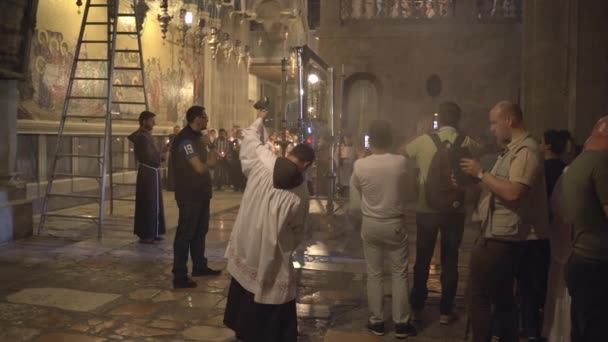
{"points": [[536, 268]]}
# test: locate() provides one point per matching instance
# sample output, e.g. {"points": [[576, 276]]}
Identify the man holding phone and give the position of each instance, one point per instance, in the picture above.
{"points": [[193, 195]]}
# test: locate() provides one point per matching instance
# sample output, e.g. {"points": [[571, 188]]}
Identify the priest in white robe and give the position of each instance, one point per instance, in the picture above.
{"points": [[270, 224]]}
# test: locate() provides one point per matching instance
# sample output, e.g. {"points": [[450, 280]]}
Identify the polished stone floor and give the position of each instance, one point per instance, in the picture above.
{"points": [[66, 285]]}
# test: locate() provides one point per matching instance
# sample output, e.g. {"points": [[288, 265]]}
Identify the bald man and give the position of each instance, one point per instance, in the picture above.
{"points": [[513, 209], [585, 200]]}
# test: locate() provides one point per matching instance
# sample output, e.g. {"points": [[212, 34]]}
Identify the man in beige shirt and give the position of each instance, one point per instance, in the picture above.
{"points": [[513, 210]]}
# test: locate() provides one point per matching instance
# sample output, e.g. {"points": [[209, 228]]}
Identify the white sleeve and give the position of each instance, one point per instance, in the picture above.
{"points": [[254, 149]]}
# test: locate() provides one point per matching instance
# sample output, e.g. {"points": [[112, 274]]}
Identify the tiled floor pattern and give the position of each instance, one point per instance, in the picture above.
{"points": [[68, 286]]}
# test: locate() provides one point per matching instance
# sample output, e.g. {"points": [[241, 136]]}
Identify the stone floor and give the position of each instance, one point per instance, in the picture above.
{"points": [[66, 285]]}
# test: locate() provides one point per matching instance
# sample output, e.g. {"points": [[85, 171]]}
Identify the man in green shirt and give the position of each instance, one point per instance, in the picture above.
{"points": [[430, 221], [585, 198]]}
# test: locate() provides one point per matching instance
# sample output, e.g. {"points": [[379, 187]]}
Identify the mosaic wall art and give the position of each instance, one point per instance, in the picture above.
{"points": [[396, 9]]}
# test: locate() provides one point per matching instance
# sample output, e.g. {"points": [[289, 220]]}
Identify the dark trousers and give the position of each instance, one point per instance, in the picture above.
{"points": [[221, 173], [192, 229], [452, 229], [532, 285], [588, 283], [237, 179], [492, 305]]}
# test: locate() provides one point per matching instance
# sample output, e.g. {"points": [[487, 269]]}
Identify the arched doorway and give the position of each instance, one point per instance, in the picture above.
{"points": [[361, 103]]}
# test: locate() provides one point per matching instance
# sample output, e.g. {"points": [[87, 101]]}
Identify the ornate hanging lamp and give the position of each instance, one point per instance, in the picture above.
{"points": [[164, 18]]}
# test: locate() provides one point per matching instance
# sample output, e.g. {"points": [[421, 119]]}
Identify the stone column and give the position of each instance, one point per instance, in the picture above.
{"points": [[9, 96], [15, 210], [545, 65]]}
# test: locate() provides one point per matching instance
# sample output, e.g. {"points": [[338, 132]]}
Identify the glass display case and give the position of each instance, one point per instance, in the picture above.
{"points": [[307, 91]]}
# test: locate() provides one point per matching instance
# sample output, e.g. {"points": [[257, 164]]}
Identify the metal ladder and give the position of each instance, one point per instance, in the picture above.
{"points": [[111, 11]]}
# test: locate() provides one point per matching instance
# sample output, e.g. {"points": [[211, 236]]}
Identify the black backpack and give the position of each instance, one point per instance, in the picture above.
{"points": [[440, 192]]}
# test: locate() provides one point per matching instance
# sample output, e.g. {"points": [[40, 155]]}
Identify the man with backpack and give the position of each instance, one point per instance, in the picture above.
{"points": [[440, 207]]}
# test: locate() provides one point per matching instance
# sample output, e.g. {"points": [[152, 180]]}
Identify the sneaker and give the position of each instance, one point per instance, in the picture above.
{"points": [[415, 316], [375, 328], [447, 319], [206, 272], [404, 330], [185, 283]]}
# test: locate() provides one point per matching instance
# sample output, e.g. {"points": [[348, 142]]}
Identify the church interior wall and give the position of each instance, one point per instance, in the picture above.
{"points": [[477, 61]]}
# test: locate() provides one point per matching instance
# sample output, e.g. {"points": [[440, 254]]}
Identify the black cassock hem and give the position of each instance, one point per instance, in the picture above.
{"points": [[254, 322]]}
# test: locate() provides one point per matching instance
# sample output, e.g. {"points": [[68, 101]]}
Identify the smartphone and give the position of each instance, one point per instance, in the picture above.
{"points": [[366, 142]]}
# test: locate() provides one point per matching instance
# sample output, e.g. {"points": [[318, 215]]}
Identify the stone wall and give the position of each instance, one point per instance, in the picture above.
{"points": [[477, 61]]}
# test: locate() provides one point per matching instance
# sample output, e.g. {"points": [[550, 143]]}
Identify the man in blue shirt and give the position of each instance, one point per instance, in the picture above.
{"points": [[192, 182]]}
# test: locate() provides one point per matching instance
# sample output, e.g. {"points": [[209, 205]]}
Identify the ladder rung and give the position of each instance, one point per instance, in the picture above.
{"points": [[125, 32], [90, 78], [92, 60], [85, 117], [129, 103], [77, 176], [87, 97], [126, 51], [99, 5], [83, 217], [125, 119], [96, 41], [128, 68], [126, 14], [125, 199], [128, 85], [97, 23], [75, 196], [119, 183], [73, 155]]}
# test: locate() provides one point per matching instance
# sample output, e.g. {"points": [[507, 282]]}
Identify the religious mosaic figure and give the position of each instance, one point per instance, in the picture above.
{"points": [[494, 8], [395, 8], [419, 9], [406, 9], [430, 9], [443, 8], [509, 9], [357, 8], [345, 9], [369, 9], [380, 8]]}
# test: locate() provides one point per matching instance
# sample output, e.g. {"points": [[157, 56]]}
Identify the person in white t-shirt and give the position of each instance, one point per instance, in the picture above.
{"points": [[377, 182]]}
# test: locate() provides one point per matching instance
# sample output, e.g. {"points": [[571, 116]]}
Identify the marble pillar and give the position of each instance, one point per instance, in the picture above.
{"points": [[15, 209]]}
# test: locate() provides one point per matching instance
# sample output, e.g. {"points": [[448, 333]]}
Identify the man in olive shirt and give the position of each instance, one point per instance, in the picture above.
{"points": [[430, 221], [513, 209], [585, 197]]}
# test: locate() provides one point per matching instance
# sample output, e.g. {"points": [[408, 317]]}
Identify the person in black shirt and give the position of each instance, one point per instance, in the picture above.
{"points": [[536, 257], [554, 145], [192, 183]]}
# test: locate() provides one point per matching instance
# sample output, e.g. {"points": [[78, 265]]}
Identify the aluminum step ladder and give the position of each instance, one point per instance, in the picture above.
{"points": [[104, 43]]}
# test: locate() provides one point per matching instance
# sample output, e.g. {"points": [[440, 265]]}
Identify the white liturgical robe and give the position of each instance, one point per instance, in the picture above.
{"points": [[270, 224]]}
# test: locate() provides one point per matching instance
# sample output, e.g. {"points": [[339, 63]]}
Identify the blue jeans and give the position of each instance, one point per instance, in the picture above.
{"points": [[452, 229], [192, 229]]}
